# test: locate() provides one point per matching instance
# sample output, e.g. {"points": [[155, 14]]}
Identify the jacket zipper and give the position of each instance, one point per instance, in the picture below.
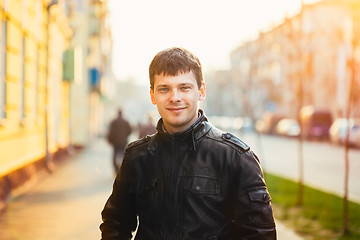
{"points": [[172, 170]]}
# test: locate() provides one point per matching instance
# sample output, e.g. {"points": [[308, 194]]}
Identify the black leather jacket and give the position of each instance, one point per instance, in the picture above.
{"points": [[196, 185]]}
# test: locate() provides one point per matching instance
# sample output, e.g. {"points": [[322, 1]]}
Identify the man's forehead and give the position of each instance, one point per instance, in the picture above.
{"points": [[177, 79], [165, 73]]}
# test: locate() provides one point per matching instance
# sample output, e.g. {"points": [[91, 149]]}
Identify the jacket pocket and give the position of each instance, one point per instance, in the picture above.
{"points": [[202, 185], [146, 195], [262, 214], [143, 187]]}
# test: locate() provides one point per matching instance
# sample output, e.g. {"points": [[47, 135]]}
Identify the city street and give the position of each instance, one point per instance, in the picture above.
{"points": [[77, 73], [323, 162], [67, 203]]}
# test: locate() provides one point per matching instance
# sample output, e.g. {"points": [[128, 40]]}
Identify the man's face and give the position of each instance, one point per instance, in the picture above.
{"points": [[177, 100]]}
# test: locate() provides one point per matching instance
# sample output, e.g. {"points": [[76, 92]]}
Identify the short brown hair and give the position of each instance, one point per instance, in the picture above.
{"points": [[172, 61]]}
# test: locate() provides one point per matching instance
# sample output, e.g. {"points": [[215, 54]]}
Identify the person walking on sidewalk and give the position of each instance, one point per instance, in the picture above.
{"points": [[119, 131], [190, 180], [147, 128]]}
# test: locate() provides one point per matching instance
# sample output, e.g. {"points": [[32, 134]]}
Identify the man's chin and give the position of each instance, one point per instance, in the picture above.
{"points": [[176, 112]]}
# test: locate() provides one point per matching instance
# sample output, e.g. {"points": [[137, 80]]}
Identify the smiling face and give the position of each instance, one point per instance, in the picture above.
{"points": [[177, 98]]}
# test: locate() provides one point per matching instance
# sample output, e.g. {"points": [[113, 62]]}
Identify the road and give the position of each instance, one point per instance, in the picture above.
{"points": [[324, 162], [67, 203]]}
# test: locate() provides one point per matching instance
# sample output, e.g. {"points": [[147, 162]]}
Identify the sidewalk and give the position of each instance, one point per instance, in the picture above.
{"points": [[67, 203]]}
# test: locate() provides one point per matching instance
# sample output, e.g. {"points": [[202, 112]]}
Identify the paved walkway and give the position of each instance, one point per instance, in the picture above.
{"points": [[67, 203]]}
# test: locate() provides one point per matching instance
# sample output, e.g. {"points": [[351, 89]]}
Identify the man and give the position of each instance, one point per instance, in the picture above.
{"points": [[118, 134], [190, 180]]}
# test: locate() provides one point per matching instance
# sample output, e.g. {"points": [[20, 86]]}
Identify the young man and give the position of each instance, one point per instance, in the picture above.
{"points": [[189, 180]]}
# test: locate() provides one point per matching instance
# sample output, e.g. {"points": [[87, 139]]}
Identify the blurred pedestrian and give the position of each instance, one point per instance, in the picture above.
{"points": [[119, 131], [190, 180], [147, 128]]}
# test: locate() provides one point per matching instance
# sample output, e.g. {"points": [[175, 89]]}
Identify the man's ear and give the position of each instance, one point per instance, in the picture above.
{"points": [[202, 91], [152, 96]]}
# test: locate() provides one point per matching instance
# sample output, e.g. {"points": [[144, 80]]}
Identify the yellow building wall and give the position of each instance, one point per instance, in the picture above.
{"points": [[22, 139]]}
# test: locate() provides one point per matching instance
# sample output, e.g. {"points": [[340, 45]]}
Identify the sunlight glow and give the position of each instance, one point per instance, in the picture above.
{"points": [[210, 29]]}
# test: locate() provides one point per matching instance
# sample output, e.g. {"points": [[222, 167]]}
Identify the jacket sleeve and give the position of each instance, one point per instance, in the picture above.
{"points": [[119, 214], [253, 215]]}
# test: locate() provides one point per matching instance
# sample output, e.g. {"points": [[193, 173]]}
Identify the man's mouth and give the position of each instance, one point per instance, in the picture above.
{"points": [[175, 109]]}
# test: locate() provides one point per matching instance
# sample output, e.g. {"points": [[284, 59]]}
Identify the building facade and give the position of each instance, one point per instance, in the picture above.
{"points": [[48, 99], [302, 61], [33, 118]]}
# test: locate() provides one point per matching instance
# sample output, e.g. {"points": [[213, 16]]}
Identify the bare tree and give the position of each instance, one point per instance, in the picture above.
{"points": [[300, 98], [352, 97]]}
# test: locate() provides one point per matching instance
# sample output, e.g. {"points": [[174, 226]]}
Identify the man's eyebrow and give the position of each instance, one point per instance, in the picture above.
{"points": [[186, 83], [161, 85]]}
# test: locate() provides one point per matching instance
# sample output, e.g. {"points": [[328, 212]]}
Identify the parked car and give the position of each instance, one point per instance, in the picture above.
{"points": [[268, 122], [243, 124], [288, 127], [338, 131], [231, 124], [315, 122], [354, 138]]}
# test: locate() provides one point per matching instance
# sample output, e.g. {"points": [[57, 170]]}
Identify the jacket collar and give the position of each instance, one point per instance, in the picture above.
{"points": [[198, 129]]}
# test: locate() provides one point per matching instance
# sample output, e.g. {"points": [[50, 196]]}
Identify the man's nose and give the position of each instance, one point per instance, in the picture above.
{"points": [[175, 96]]}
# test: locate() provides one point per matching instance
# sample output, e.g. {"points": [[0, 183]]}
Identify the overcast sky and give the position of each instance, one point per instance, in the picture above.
{"points": [[210, 29]]}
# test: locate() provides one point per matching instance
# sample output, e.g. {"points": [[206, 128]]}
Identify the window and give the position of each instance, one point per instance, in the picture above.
{"points": [[5, 5], [22, 81], [3, 44], [36, 90], [24, 15]]}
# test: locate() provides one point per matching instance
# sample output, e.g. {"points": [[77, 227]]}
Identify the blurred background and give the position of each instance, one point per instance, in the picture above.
{"points": [[283, 75]]}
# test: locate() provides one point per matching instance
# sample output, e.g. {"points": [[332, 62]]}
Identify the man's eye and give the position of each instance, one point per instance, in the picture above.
{"points": [[162, 89], [185, 88]]}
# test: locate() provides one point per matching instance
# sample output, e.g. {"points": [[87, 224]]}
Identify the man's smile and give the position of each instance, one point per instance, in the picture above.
{"points": [[175, 109]]}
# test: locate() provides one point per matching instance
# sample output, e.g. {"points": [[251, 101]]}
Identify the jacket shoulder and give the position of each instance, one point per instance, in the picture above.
{"points": [[230, 139], [138, 143]]}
